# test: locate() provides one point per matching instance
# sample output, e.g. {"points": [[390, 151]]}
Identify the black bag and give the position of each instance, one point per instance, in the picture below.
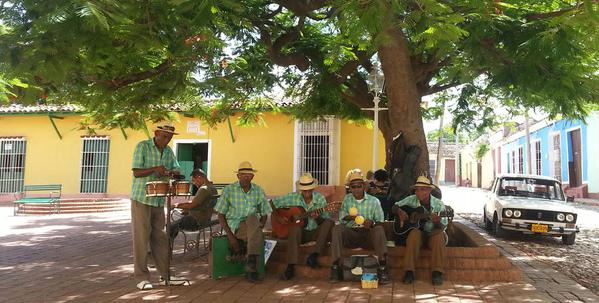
{"points": [[356, 265]]}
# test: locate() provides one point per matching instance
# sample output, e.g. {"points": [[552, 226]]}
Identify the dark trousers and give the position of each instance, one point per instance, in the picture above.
{"points": [[297, 236], [358, 237], [188, 222]]}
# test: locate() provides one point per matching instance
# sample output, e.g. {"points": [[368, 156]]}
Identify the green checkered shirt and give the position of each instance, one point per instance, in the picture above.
{"points": [[147, 155], [370, 208], [237, 205], [436, 207], [296, 199]]}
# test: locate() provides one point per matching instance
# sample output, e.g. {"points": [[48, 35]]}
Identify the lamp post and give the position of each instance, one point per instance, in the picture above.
{"points": [[376, 82]]}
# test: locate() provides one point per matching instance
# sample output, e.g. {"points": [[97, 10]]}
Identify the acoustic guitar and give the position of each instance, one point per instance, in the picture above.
{"points": [[296, 215], [417, 217]]}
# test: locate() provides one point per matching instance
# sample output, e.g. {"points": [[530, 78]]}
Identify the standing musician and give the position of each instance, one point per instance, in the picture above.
{"points": [[367, 234], [242, 211], [199, 209], [318, 225], [153, 160], [432, 232]]}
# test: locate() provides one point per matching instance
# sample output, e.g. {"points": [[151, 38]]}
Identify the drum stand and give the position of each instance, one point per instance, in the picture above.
{"points": [[167, 280]]}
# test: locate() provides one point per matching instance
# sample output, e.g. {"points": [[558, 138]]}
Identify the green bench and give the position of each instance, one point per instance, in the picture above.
{"points": [[51, 195]]}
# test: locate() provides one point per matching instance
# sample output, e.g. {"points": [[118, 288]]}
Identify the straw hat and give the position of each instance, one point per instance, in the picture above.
{"points": [[355, 176], [245, 167], [167, 128], [423, 181], [306, 182]]}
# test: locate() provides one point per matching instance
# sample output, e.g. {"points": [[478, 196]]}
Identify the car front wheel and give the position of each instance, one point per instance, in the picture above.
{"points": [[569, 239], [499, 232]]}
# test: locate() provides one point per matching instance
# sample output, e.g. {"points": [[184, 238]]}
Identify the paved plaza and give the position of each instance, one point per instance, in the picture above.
{"points": [[87, 258]]}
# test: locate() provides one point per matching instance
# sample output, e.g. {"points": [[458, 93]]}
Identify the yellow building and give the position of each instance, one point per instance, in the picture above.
{"points": [[44, 145]]}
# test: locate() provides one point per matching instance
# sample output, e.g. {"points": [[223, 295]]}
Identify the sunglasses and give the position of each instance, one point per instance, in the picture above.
{"points": [[356, 186]]}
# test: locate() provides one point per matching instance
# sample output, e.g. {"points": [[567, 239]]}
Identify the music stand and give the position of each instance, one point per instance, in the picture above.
{"points": [[171, 192]]}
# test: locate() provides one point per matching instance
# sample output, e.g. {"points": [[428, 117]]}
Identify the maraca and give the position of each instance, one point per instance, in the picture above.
{"points": [[359, 220], [353, 211]]}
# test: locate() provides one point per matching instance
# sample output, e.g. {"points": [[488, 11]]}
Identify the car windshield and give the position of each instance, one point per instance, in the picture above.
{"points": [[530, 187]]}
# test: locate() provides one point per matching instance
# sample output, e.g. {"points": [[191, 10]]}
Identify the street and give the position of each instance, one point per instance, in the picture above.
{"points": [[578, 261]]}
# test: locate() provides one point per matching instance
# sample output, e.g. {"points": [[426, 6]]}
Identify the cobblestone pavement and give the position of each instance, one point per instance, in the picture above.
{"points": [[578, 261], [87, 258]]}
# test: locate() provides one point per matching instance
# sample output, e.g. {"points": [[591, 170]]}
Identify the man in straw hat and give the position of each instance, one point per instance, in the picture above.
{"points": [[318, 227], [361, 218], [432, 232], [242, 211], [153, 160]]}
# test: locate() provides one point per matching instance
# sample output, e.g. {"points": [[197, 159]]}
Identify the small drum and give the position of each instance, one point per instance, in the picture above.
{"points": [[156, 189], [181, 188]]}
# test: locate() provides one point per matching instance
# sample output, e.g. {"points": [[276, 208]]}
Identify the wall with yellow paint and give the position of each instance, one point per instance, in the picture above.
{"points": [[269, 148], [356, 149]]}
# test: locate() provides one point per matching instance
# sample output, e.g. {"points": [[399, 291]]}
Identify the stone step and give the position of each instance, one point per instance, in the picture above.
{"points": [[481, 252], [422, 262], [76, 211], [73, 206], [462, 275]]}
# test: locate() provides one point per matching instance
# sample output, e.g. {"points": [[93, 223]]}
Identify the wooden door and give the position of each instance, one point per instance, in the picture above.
{"points": [[450, 170], [575, 165]]}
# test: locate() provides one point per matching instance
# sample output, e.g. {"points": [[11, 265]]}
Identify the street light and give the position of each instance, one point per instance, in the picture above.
{"points": [[376, 82]]}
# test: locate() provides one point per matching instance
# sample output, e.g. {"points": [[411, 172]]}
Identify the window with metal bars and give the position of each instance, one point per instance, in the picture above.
{"points": [[432, 164], [12, 164], [315, 146], [537, 162], [556, 157], [94, 164], [520, 160]]}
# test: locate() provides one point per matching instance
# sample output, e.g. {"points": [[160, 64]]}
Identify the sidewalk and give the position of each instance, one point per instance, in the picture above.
{"points": [[87, 258]]}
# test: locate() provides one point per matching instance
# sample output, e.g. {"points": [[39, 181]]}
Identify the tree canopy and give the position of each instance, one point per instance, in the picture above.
{"points": [[127, 61]]}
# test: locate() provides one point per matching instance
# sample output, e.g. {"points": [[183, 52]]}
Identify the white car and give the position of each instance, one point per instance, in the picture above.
{"points": [[530, 204]]}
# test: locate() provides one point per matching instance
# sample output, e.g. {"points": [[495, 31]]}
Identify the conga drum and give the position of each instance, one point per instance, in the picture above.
{"points": [[156, 189], [181, 188]]}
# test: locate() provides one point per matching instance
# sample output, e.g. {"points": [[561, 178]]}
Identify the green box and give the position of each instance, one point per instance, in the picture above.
{"points": [[222, 267]]}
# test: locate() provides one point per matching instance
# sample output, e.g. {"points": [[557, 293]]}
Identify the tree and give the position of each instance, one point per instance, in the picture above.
{"points": [[139, 58]]}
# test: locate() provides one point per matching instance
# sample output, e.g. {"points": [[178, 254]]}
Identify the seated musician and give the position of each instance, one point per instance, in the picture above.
{"points": [[379, 188], [242, 211], [317, 227], [368, 234], [199, 209], [431, 233]]}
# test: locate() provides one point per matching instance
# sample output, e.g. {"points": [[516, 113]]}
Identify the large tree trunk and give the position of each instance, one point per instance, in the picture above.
{"points": [[404, 115]]}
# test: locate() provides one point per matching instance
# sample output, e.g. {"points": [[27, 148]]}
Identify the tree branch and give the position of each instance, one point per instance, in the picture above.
{"points": [[125, 80], [303, 7], [538, 16], [439, 88], [489, 45], [351, 66]]}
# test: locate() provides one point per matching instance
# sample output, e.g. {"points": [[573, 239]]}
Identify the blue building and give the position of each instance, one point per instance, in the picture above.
{"points": [[563, 149]]}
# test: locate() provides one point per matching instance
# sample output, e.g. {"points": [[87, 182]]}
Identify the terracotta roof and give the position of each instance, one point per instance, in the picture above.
{"points": [[72, 108], [20, 109]]}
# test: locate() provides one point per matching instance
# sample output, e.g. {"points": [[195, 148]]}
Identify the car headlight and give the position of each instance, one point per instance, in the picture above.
{"points": [[561, 217], [517, 213], [508, 213], [570, 217]]}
